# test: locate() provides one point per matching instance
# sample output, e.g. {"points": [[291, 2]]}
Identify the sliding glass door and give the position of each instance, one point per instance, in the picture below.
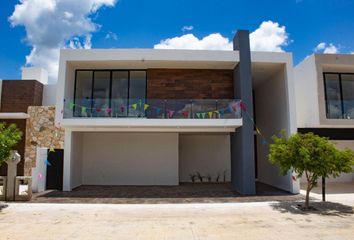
{"points": [[110, 93]]}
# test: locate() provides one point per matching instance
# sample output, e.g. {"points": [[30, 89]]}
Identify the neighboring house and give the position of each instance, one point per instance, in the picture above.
{"points": [[156, 117], [16, 97], [324, 87]]}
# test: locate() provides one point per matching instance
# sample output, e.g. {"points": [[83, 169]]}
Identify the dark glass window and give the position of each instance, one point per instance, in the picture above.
{"points": [[105, 93], [339, 95], [348, 95], [101, 89], [83, 92], [137, 92], [333, 93], [120, 84]]}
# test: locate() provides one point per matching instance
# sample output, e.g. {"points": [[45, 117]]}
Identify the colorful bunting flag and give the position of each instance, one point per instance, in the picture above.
{"points": [[198, 115], [51, 149], [146, 106], [134, 106], [210, 114], [185, 114], [109, 110], [222, 112], [258, 132], [122, 108], [46, 162], [243, 106], [40, 176], [264, 141], [203, 115], [98, 110], [83, 110], [170, 113], [71, 106], [158, 111]]}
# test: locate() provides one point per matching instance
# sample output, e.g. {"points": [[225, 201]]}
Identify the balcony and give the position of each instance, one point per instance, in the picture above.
{"points": [[154, 113]]}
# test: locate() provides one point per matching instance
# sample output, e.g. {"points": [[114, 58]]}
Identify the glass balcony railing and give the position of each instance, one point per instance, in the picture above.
{"points": [[154, 108]]}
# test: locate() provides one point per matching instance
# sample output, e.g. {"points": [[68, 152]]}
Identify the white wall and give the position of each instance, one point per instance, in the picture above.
{"points": [[206, 153], [272, 117], [34, 73], [76, 159], [39, 184], [49, 95], [130, 159], [306, 93]]}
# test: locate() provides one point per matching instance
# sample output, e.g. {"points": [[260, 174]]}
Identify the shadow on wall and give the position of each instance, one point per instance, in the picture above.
{"points": [[320, 208]]}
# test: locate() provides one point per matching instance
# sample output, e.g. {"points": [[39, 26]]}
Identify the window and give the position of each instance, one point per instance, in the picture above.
{"points": [[120, 84], [339, 90], [101, 90], [348, 95], [106, 93], [83, 92], [137, 92]]}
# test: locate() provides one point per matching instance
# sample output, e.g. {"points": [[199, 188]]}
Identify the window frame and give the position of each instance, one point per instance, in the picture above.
{"points": [[341, 92]]}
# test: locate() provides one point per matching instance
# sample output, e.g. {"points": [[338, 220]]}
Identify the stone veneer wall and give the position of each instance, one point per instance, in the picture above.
{"points": [[41, 131]]}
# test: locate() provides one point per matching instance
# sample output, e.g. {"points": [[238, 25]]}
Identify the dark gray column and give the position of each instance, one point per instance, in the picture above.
{"points": [[242, 141]]}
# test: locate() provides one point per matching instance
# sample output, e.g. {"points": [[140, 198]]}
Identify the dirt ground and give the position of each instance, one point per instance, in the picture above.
{"points": [[263, 220]]}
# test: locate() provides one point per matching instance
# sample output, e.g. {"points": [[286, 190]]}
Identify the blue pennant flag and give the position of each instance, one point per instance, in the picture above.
{"points": [[47, 163], [158, 111], [222, 111], [264, 141]]}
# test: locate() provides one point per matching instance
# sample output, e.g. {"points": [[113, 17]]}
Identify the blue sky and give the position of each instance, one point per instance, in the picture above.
{"points": [[293, 25]]}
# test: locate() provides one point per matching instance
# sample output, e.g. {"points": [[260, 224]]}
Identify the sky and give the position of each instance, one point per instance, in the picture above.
{"points": [[33, 31]]}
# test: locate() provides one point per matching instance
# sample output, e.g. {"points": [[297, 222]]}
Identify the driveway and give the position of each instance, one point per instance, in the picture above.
{"points": [[263, 220]]}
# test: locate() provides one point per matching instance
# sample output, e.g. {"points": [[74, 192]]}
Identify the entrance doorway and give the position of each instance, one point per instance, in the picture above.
{"points": [[55, 169]]}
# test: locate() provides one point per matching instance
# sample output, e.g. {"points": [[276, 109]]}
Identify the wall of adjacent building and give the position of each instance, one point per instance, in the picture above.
{"points": [[16, 97], [271, 105], [306, 89]]}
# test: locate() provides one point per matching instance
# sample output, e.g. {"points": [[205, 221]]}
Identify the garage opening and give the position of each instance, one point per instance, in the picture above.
{"points": [[101, 158]]}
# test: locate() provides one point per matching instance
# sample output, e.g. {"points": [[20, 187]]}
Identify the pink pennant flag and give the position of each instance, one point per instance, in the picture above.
{"points": [[170, 113], [185, 114], [98, 110], [122, 108], [243, 106], [109, 110]]}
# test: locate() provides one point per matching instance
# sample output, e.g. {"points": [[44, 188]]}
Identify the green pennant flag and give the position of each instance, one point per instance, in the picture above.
{"points": [[83, 110], [146, 106], [198, 115], [203, 115], [71, 106], [210, 114], [134, 106]]}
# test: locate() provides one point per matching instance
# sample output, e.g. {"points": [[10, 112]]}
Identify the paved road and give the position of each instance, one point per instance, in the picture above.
{"points": [[174, 221]]}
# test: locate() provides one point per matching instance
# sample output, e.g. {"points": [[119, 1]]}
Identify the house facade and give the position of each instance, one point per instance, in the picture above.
{"points": [[324, 87], [160, 117]]}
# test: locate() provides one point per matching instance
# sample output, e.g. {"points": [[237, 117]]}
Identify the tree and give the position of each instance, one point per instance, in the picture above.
{"points": [[311, 155], [9, 137]]}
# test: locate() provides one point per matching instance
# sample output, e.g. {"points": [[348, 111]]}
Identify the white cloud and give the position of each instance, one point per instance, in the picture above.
{"points": [[268, 37], [111, 35], [213, 41], [187, 28], [326, 48], [54, 24]]}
